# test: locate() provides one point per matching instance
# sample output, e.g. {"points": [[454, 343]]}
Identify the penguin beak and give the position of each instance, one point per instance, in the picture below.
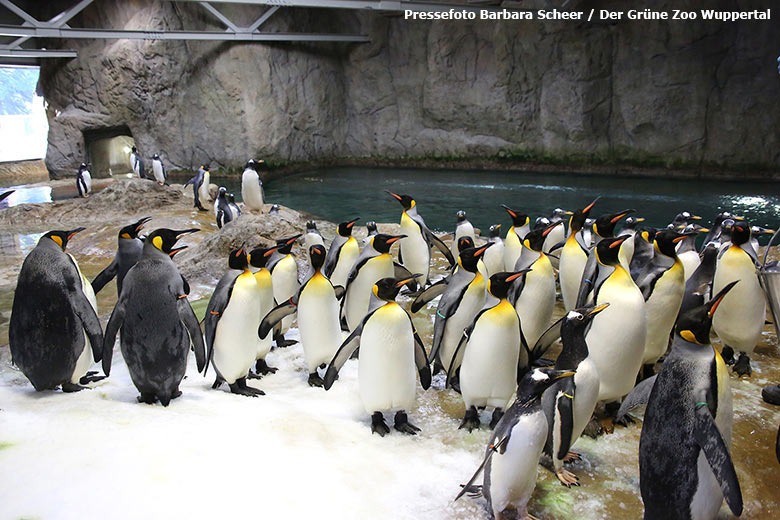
{"points": [[703, 230], [293, 239], [560, 374], [140, 224], [713, 304], [401, 283], [398, 197], [640, 219], [395, 239], [682, 237], [173, 251], [186, 231], [270, 251], [498, 226], [619, 241], [620, 215], [589, 207], [695, 217], [735, 217], [479, 252], [517, 275], [550, 228], [597, 309], [512, 213], [74, 231], [768, 231], [352, 222]]}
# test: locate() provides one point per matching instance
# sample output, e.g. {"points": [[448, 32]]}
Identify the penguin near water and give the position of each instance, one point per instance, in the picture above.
{"points": [[284, 273], [627, 249], [463, 228], [371, 231], [494, 257], [54, 317], [685, 468], [83, 181], [158, 168], [574, 257], [643, 251], [510, 465], [155, 321], [513, 245], [200, 186], [342, 255], [312, 236], [698, 287], [317, 306], [390, 353], [128, 253], [222, 211], [259, 258], [686, 249], [252, 187], [137, 164]]}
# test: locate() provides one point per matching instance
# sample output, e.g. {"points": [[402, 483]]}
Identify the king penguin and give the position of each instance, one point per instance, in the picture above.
{"points": [[252, 187], [158, 168], [511, 459], [494, 257], [317, 306], [342, 255], [415, 249], [463, 228], [128, 253], [53, 316], [371, 230], [232, 320], [200, 186], [259, 258], [156, 321], [685, 468], [137, 164], [644, 251], [742, 313], [390, 353], [222, 211], [574, 257], [557, 236], [83, 181], [513, 245], [284, 273], [312, 237], [686, 249], [627, 249]]}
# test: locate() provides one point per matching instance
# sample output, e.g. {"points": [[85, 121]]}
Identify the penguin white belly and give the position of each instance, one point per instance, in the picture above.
{"points": [[690, 261], [740, 317], [285, 281], [488, 374], [250, 191], [359, 292], [265, 305], [235, 346], [464, 230], [318, 322], [203, 189], [555, 236], [616, 340], [348, 255], [573, 260], [87, 181], [471, 303], [494, 258], [626, 252], [661, 310], [386, 368], [513, 473], [586, 393], [157, 168], [512, 250], [84, 361], [312, 239], [535, 304], [414, 249]]}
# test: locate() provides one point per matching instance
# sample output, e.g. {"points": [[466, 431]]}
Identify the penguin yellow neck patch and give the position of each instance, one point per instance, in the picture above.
{"points": [[157, 242], [689, 336], [57, 240], [126, 235]]}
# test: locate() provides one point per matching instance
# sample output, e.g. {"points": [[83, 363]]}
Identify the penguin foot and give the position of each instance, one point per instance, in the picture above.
{"points": [[262, 368], [470, 420], [403, 425], [529, 516], [147, 398], [316, 380], [771, 394], [742, 366], [217, 383], [90, 377], [498, 413], [567, 478], [241, 388], [571, 456], [72, 387], [284, 343], [728, 355], [176, 393], [378, 424], [625, 420]]}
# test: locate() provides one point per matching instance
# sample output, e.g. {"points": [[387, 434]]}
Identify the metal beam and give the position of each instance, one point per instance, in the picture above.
{"points": [[263, 18], [378, 5], [21, 13], [219, 16], [46, 32], [65, 16], [42, 53]]}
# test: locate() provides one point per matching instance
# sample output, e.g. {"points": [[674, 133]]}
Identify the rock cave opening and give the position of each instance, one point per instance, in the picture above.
{"points": [[108, 150]]}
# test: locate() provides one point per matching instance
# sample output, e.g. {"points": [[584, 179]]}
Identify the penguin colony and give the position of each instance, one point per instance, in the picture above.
{"points": [[631, 300]]}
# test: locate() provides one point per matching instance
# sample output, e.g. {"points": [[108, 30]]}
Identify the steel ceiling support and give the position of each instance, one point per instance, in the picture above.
{"points": [[219, 16], [263, 18], [37, 53]]}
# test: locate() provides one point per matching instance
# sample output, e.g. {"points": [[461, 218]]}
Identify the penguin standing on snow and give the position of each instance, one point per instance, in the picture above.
{"points": [[685, 469], [317, 305], [742, 312], [128, 253], [494, 257], [252, 187], [415, 249], [53, 317], [574, 257], [222, 210], [390, 353], [83, 181], [513, 244], [158, 168], [342, 255], [463, 228], [200, 186], [137, 164], [512, 456], [284, 272], [259, 258], [156, 321], [232, 320]]}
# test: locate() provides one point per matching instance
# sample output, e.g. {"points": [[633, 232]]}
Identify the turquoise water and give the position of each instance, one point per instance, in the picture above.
{"points": [[339, 194]]}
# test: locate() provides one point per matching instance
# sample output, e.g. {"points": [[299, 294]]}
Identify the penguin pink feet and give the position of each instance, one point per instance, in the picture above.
{"points": [[567, 478]]}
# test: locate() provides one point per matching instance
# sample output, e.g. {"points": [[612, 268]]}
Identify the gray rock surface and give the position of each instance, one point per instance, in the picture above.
{"points": [[700, 92]]}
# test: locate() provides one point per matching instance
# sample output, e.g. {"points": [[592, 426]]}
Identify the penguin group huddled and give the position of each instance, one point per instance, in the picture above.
{"points": [[635, 330]]}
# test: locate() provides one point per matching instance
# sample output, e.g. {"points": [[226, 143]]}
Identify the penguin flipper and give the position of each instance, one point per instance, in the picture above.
{"points": [[429, 294], [436, 241], [557, 246], [492, 448], [421, 359], [344, 352], [458, 351], [332, 258], [637, 397], [339, 291], [564, 401], [588, 280], [217, 304], [715, 450], [5, 194], [276, 315], [105, 276], [112, 328], [187, 317], [549, 337]]}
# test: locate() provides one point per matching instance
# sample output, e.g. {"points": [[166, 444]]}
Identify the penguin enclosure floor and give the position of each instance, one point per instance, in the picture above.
{"points": [[299, 452]]}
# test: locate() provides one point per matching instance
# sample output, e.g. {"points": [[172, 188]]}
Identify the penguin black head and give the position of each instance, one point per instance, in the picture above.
{"points": [[231, 198], [694, 325], [575, 322], [607, 250], [82, 167], [577, 220], [382, 242], [535, 239], [258, 257], [683, 218], [284, 245], [371, 227], [61, 238], [519, 219], [156, 156], [542, 222], [206, 167], [740, 232], [498, 284], [134, 149], [465, 243], [387, 288], [469, 257], [345, 228], [238, 259], [164, 239], [495, 229], [666, 241], [648, 234], [535, 382], [311, 225], [461, 216], [251, 165], [558, 214], [632, 222], [317, 255], [130, 231], [406, 201], [222, 192], [605, 224], [274, 209]]}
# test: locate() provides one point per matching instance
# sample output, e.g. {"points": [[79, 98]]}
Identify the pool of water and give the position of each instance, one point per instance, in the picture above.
{"points": [[339, 194]]}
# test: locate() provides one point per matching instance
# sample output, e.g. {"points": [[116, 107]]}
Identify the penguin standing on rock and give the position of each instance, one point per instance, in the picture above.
{"points": [[128, 253], [231, 198], [156, 321], [513, 244], [390, 353], [312, 237], [158, 168], [137, 164], [463, 228], [53, 316], [284, 272], [83, 181], [342, 255], [574, 257], [685, 468], [200, 186], [252, 187], [222, 210], [512, 456]]}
